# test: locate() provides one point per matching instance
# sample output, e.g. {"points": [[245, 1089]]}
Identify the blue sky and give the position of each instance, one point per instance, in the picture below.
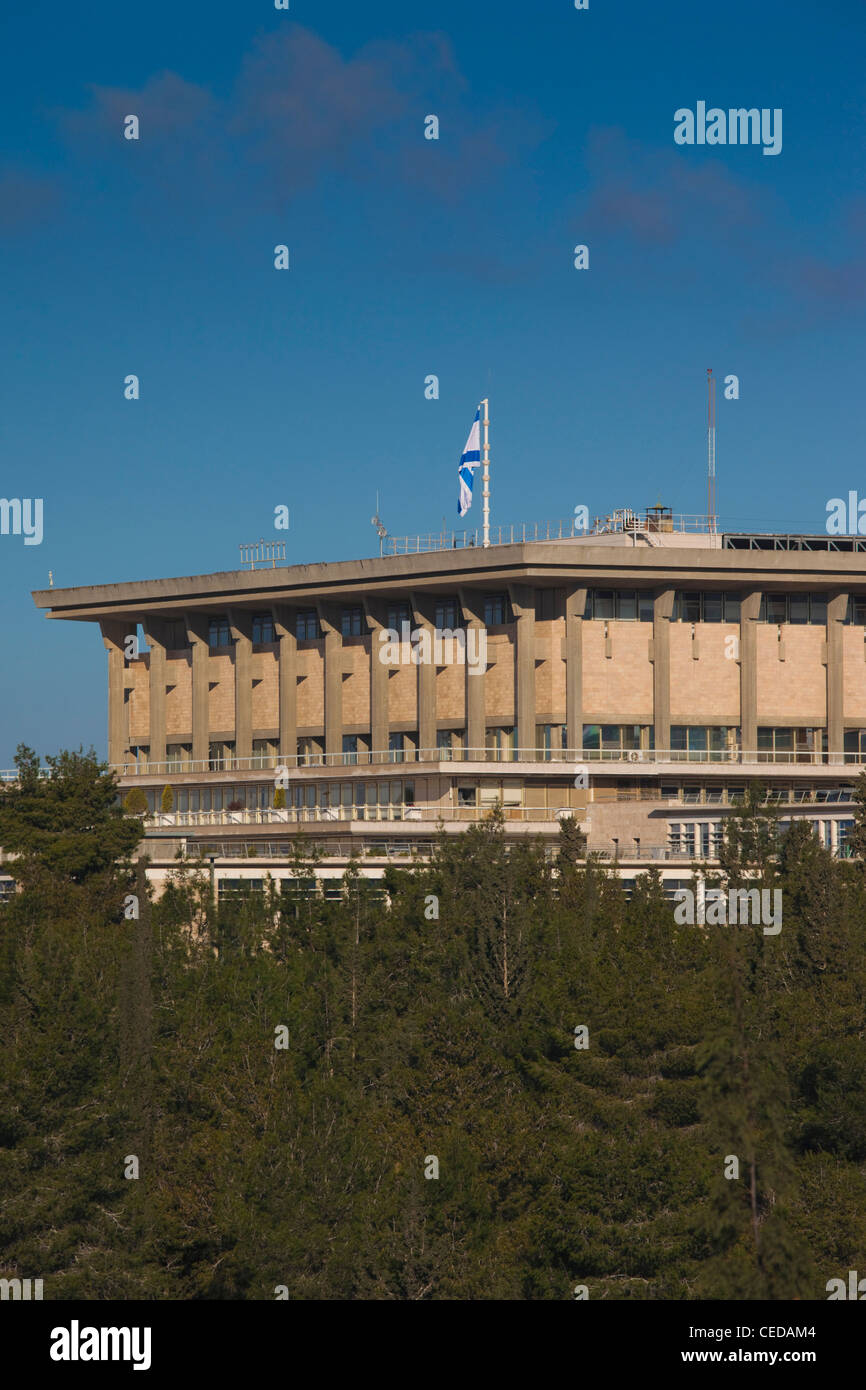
{"points": [[408, 257]]}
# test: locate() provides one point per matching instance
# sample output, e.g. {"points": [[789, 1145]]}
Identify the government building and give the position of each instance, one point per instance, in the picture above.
{"points": [[636, 676]]}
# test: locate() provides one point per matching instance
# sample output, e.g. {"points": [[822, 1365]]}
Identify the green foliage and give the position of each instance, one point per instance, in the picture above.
{"points": [[413, 1033], [166, 803], [280, 799], [135, 802]]}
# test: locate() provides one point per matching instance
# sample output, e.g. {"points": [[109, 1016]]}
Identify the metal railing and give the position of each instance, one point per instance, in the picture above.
{"points": [[567, 528], [294, 815], [573, 758]]}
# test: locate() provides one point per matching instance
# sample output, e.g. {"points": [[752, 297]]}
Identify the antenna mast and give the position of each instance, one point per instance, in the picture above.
{"points": [[711, 451]]}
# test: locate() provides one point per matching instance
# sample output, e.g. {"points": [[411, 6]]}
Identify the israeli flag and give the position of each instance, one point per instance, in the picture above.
{"points": [[469, 461]]}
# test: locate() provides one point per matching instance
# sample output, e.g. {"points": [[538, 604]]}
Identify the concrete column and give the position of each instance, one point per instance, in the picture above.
{"points": [[837, 607], [154, 632], [114, 634], [575, 607], [197, 635], [421, 617], [241, 625], [284, 626], [663, 608], [374, 613], [750, 606], [523, 606], [329, 620], [476, 715]]}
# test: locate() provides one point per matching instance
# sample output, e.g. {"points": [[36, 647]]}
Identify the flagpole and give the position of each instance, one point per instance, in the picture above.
{"points": [[485, 492]]}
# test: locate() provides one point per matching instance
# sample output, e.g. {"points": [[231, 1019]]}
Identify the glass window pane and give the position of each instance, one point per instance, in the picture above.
{"points": [[732, 608], [610, 736], [776, 608], [627, 606], [603, 603], [798, 608], [591, 736], [646, 607], [712, 608], [690, 608], [819, 608]]}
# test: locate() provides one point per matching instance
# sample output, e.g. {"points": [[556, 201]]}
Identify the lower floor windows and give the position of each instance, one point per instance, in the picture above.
{"points": [[695, 839]]}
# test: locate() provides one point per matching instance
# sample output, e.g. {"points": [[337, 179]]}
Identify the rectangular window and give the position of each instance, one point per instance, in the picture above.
{"points": [[218, 634], [396, 615], [443, 745], [856, 613], [447, 614], [350, 749], [395, 748], [626, 606], [495, 610], [543, 739], [176, 638], [307, 625], [263, 627], [350, 621]]}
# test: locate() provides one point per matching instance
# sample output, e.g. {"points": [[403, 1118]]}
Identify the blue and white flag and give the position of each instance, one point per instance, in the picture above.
{"points": [[469, 461]]}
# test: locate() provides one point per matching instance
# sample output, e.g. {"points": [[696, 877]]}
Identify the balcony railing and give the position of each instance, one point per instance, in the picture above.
{"points": [[573, 758], [293, 815], [635, 757]]}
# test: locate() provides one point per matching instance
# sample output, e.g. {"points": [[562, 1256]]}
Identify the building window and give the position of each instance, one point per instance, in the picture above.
{"points": [[307, 625], [615, 741], [395, 748], [500, 745], [264, 752], [396, 615], [351, 621], [693, 606], [549, 604], [443, 745], [350, 748], [793, 608], [309, 752], [700, 743], [856, 611], [176, 638], [263, 627], [543, 741], [624, 605], [447, 614], [781, 745], [218, 633], [178, 756], [855, 745], [138, 755], [467, 796], [495, 610]]}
